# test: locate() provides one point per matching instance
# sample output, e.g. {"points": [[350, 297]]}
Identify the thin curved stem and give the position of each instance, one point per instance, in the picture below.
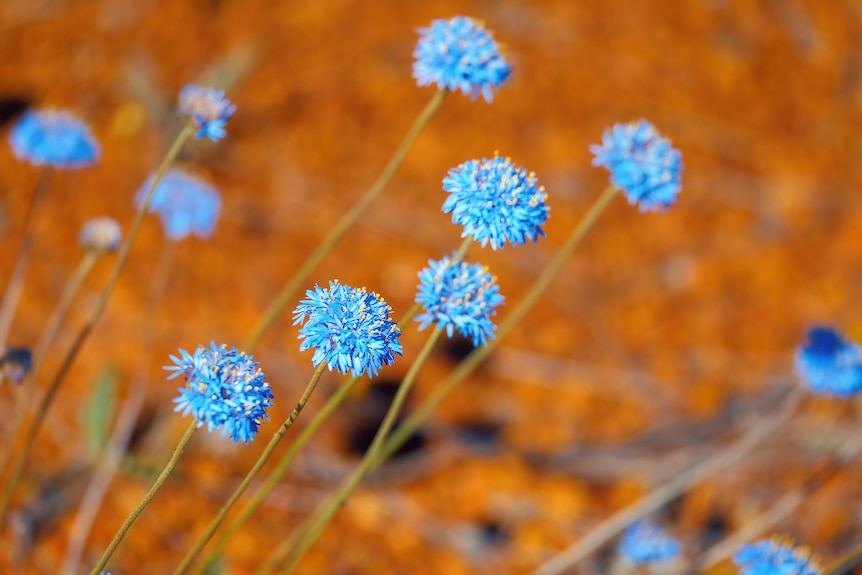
{"points": [[329, 509], [22, 259], [95, 315], [261, 461], [466, 367], [136, 512], [672, 488], [346, 222]]}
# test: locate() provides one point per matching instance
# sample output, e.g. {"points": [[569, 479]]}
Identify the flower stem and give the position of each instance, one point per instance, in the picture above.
{"points": [[406, 429], [336, 233], [264, 457], [95, 314], [325, 513], [118, 538], [22, 259]]}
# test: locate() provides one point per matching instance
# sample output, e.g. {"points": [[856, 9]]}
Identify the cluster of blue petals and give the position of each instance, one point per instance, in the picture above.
{"points": [[496, 202], [644, 542], [645, 166], [349, 328], [224, 388], [459, 54], [776, 556], [208, 109], [101, 235], [54, 138], [186, 204], [458, 295], [829, 364]]}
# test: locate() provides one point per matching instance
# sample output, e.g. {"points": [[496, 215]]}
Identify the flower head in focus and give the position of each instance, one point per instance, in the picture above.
{"points": [[460, 54], [100, 235], [496, 202], [829, 364], [54, 138], [457, 295], [645, 166], [349, 328], [776, 556], [224, 388], [186, 204], [644, 542], [208, 109]]}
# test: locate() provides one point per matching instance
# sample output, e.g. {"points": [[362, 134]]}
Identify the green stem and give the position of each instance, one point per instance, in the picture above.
{"points": [[264, 457], [466, 367], [264, 490], [329, 509], [160, 480], [95, 314], [336, 233], [22, 259]]}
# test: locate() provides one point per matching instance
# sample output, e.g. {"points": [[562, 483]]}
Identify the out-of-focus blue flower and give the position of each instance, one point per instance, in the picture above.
{"points": [[101, 235], [186, 204], [459, 54], [776, 556], [15, 363], [349, 328], [644, 542], [828, 364], [496, 202], [54, 138], [224, 388], [645, 166], [208, 109], [458, 295]]}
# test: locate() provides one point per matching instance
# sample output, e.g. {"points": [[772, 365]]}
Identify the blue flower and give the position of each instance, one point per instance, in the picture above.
{"points": [[496, 202], [208, 109], [776, 556], [457, 295], [645, 166], [100, 235], [644, 542], [186, 204], [829, 364], [224, 388], [54, 138], [460, 54], [349, 328]]}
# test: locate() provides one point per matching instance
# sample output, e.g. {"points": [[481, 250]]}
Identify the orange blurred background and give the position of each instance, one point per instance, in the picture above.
{"points": [[663, 337]]}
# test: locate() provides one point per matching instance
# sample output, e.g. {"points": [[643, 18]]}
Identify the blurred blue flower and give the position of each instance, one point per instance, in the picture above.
{"points": [[349, 328], [644, 542], [459, 54], [208, 109], [457, 295], [776, 556], [224, 389], [829, 364], [186, 204], [645, 166], [54, 138], [101, 235], [496, 202], [15, 363]]}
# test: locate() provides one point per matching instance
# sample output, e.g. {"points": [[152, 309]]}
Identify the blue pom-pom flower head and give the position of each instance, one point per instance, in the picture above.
{"points": [[186, 204], [54, 138], [349, 328], [208, 109], [645, 166], [460, 54], [776, 556], [829, 364], [645, 542], [496, 202], [224, 389], [457, 295]]}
